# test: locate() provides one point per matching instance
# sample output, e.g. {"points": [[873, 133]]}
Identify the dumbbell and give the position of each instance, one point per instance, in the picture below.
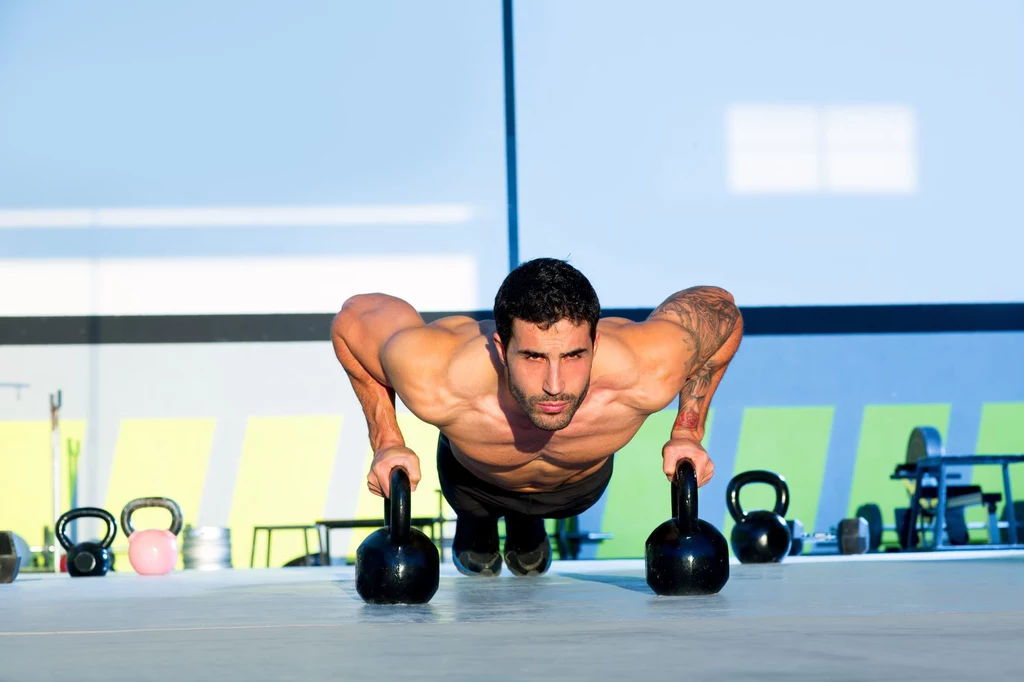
{"points": [[851, 537], [10, 561]]}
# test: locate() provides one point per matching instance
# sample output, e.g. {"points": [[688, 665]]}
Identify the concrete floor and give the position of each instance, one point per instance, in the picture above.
{"points": [[910, 617]]}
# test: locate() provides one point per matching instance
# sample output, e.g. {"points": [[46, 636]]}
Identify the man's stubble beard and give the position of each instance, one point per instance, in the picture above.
{"points": [[533, 414]]}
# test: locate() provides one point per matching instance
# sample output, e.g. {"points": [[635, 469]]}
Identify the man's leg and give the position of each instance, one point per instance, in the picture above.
{"points": [[527, 546], [475, 550]]}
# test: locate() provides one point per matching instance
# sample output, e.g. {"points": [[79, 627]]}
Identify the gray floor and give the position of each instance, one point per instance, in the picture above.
{"points": [[941, 617]]}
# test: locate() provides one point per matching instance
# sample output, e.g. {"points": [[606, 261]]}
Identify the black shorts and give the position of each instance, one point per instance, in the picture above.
{"points": [[469, 496]]}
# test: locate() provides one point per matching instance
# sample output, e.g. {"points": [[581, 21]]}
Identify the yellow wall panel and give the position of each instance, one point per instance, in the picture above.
{"points": [[159, 458], [283, 477], [884, 432], [26, 482], [792, 442]]}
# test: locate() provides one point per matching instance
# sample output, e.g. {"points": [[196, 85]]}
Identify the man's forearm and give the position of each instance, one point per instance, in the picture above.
{"points": [[378, 403], [714, 326], [694, 402], [376, 399]]}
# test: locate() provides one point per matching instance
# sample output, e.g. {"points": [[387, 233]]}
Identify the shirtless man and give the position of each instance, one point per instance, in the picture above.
{"points": [[532, 406]]}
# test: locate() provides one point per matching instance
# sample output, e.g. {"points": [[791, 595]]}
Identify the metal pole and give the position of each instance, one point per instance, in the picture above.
{"points": [[16, 386], [1011, 515], [940, 511], [55, 447], [511, 166]]}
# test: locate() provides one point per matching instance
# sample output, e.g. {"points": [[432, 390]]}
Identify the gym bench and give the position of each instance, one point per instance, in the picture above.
{"points": [[324, 528], [269, 530], [931, 482]]}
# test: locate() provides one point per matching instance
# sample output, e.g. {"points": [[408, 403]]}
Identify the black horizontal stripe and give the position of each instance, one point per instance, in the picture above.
{"points": [[758, 321]]}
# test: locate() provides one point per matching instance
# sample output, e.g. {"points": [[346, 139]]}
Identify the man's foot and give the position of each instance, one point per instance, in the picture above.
{"points": [[475, 547], [475, 564], [531, 563], [527, 547]]}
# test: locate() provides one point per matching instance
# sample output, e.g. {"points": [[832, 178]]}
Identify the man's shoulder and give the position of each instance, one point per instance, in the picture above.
{"points": [[645, 360], [441, 365], [434, 347], [445, 333], [461, 325]]}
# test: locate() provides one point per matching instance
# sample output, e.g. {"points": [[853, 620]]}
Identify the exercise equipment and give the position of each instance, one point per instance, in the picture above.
{"points": [[872, 513], [854, 536], [924, 441], [10, 562], [207, 548], [686, 555], [940, 490], [851, 536], [17, 386], [760, 536], [310, 559], [397, 564], [55, 405], [24, 551], [153, 551], [796, 534], [90, 559], [74, 451]]}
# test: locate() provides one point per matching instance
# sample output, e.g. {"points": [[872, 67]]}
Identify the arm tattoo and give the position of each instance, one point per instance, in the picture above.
{"points": [[706, 314], [693, 399]]}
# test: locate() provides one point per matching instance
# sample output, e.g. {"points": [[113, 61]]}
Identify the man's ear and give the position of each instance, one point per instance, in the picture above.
{"points": [[501, 349], [597, 337]]}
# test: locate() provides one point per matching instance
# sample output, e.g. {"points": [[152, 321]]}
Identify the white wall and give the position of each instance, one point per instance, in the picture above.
{"points": [[260, 156], [796, 153]]}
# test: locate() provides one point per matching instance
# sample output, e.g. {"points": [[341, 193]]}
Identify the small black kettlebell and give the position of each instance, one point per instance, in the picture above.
{"points": [[761, 536], [686, 555], [87, 559], [397, 564]]}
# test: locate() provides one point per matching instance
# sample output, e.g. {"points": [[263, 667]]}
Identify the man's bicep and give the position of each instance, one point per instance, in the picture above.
{"points": [[364, 325], [409, 358]]}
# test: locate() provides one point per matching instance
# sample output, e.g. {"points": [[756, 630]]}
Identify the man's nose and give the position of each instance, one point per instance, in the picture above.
{"points": [[553, 384]]}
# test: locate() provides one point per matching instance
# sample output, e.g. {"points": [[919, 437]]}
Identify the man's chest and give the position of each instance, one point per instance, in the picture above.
{"points": [[490, 437]]}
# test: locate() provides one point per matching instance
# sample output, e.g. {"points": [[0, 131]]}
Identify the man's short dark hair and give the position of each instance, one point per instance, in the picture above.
{"points": [[544, 291]]}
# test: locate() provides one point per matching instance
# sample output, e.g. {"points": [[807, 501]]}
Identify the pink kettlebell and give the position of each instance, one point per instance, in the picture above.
{"points": [[153, 551]]}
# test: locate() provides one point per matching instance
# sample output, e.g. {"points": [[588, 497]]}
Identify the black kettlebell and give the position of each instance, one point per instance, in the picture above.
{"points": [[397, 564], [686, 555], [761, 536], [87, 559]]}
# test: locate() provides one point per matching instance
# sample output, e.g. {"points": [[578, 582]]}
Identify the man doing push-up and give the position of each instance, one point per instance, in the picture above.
{"points": [[532, 405]]}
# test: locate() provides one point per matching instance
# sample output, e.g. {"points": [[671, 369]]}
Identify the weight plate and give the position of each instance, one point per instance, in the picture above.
{"points": [[872, 513], [925, 441]]}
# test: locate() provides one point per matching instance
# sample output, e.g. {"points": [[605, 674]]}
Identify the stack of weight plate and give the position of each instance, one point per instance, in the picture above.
{"points": [[207, 548]]}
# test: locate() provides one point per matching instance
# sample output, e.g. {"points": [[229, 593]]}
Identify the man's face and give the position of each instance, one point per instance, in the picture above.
{"points": [[548, 370]]}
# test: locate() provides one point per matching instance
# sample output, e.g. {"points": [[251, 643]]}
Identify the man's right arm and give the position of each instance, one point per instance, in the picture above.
{"points": [[360, 330]]}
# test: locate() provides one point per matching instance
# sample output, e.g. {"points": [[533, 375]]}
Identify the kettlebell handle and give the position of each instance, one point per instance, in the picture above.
{"points": [[684, 498], [732, 492], [398, 509], [83, 512], [143, 502]]}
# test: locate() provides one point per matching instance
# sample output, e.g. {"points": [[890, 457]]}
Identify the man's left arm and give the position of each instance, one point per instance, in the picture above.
{"points": [[712, 328]]}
